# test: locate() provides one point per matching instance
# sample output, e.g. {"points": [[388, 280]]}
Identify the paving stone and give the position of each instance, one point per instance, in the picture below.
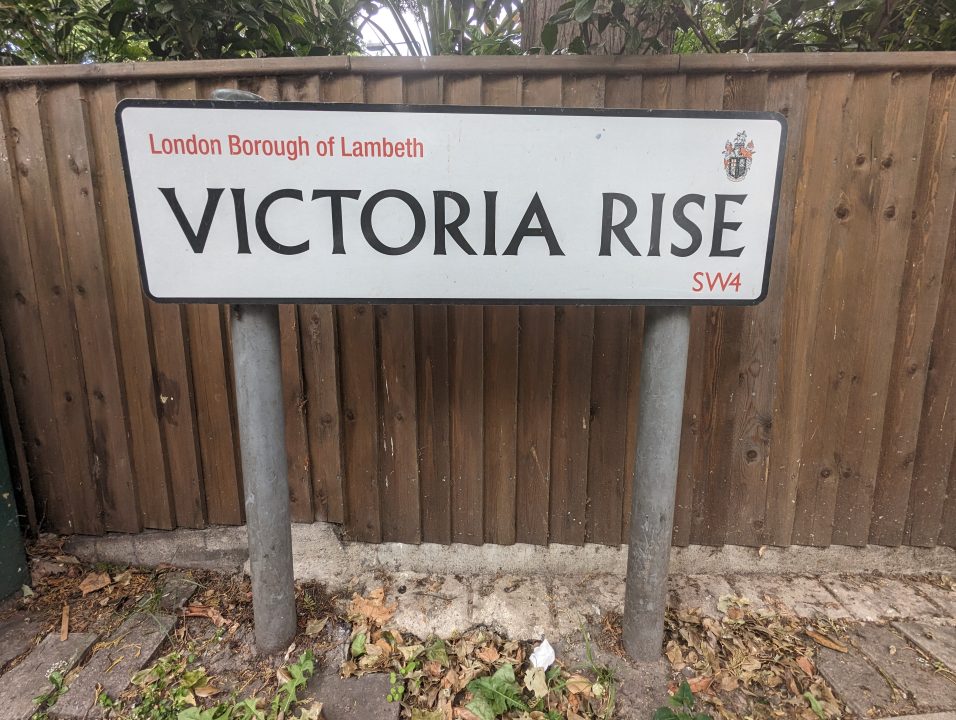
{"points": [[699, 592], [29, 679], [176, 591], [946, 599], [940, 642], [859, 684], [927, 688], [350, 698], [876, 599], [129, 649], [801, 596], [17, 635]]}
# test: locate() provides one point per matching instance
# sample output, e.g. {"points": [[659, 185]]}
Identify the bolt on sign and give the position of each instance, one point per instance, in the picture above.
{"points": [[295, 202]]}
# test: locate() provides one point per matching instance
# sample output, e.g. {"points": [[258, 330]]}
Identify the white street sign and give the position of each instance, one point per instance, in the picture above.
{"points": [[288, 202]]}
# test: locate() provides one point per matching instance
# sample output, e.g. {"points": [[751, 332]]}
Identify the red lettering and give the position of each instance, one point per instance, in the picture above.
{"points": [[715, 281]]}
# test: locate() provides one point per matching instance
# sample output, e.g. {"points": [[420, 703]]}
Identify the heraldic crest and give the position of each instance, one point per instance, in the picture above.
{"points": [[738, 157]]}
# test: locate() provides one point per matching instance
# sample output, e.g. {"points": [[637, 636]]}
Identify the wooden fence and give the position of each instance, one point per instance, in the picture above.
{"points": [[825, 415]]}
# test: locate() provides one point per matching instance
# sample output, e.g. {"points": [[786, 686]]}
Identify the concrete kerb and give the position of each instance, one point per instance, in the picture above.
{"points": [[319, 554]]}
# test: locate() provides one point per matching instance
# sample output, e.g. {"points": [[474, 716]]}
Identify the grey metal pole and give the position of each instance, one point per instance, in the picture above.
{"points": [[258, 369], [663, 372], [261, 419]]}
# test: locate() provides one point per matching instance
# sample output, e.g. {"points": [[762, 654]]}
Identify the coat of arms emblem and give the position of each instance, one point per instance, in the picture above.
{"points": [[738, 157]]}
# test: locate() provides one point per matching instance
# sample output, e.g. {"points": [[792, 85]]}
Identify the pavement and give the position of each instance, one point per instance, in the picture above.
{"points": [[900, 660]]}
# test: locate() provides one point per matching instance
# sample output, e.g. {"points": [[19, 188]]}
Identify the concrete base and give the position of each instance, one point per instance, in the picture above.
{"points": [[320, 553]]}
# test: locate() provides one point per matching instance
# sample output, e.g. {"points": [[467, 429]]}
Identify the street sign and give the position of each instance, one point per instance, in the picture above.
{"points": [[293, 202]]}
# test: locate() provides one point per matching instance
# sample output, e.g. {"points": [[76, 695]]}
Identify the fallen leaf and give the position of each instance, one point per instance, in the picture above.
{"points": [[699, 684], [205, 611], [536, 682], [314, 626], [95, 581], [826, 642], [488, 654], [372, 607], [805, 664], [578, 685], [207, 691]]}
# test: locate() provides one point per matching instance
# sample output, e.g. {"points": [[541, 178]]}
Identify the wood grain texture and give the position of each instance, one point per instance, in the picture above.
{"points": [[321, 387], [570, 423], [156, 493], [827, 115], [30, 396], [75, 490], [466, 394], [298, 462], [83, 257], [933, 489], [893, 209], [503, 419], [535, 394], [839, 326], [700, 92], [434, 421], [929, 237], [361, 425]]}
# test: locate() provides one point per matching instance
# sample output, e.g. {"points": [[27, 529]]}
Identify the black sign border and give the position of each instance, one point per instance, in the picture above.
{"points": [[452, 109]]}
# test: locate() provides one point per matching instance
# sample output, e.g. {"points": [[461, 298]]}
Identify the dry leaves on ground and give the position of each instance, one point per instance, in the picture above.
{"points": [[475, 676], [747, 663]]}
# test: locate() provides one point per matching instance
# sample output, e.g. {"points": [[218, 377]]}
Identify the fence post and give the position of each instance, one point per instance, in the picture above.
{"points": [[261, 420], [663, 373]]}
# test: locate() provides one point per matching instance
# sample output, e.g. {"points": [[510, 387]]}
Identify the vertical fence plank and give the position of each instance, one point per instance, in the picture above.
{"points": [[211, 374], [607, 450], [787, 95], [71, 165], [535, 387], [21, 319], [701, 92], [501, 419], [434, 429], [156, 493], [432, 357], [175, 398], [900, 463], [400, 492], [935, 468], [360, 421], [828, 96], [747, 382], [399, 479], [466, 383], [570, 423], [77, 485], [296, 433], [320, 370], [891, 211], [839, 325], [501, 380]]}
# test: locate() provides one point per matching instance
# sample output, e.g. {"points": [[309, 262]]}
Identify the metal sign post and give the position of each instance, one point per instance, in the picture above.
{"points": [[663, 372], [261, 421]]}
